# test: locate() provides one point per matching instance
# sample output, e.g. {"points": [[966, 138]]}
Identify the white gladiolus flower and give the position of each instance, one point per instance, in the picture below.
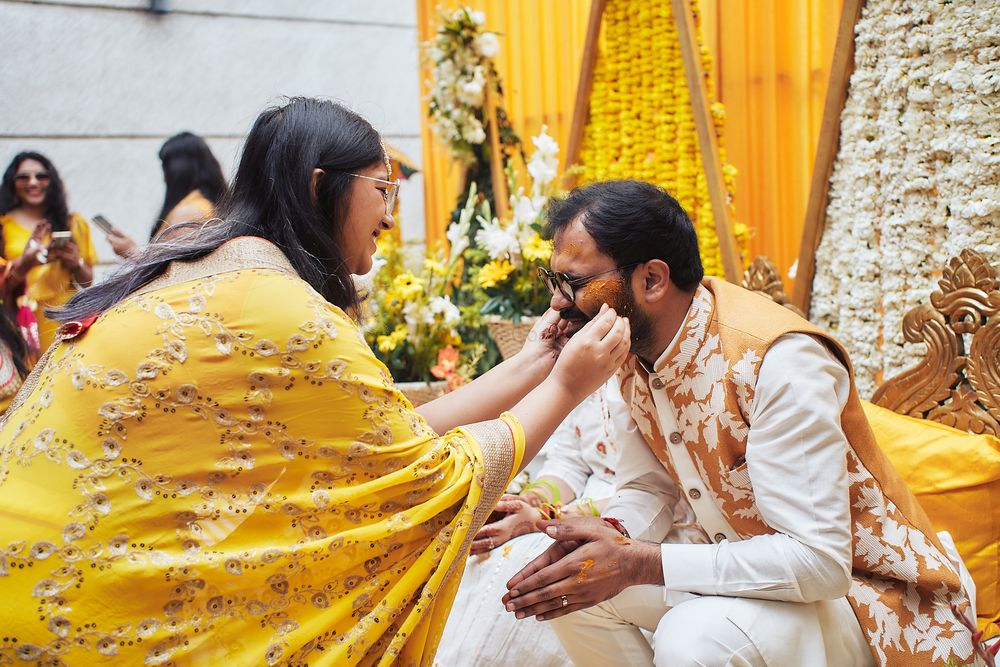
{"points": [[498, 241], [442, 305], [414, 315], [525, 212], [544, 162], [545, 144], [543, 170]]}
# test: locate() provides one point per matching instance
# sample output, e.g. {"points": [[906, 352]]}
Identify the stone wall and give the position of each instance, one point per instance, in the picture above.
{"points": [[98, 86]]}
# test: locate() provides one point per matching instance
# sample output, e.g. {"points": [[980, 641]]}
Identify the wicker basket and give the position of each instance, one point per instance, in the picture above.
{"points": [[509, 337], [422, 392]]}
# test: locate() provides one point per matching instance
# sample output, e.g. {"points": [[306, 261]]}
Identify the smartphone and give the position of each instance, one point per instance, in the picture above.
{"points": [[104, 224], [61, 238]]}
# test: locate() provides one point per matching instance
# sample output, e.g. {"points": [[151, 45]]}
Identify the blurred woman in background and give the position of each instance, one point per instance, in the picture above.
{"points": [[194, 184], [49, 249]]}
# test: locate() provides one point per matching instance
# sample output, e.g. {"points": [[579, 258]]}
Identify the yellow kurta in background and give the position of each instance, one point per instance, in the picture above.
{"points": [[195, 206], [219, 471], [48, 284]]}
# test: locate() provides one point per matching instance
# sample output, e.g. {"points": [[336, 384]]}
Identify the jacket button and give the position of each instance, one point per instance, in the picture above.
{"points": [[657, 383], [694, 493], [719, 537], [675, 438]]}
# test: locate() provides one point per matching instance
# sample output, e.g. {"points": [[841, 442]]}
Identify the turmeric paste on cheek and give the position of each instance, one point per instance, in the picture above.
{"points": [[603, 290]]}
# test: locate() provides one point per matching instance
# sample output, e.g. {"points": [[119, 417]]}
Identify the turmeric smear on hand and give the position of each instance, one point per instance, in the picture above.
{"points": [[581, 576]]}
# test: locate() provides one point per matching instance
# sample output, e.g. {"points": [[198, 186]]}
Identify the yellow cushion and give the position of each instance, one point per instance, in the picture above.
{"points": [[956, 478]]}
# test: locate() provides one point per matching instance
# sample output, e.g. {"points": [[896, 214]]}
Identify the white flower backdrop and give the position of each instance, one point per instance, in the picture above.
{"points": [[917, 176]]}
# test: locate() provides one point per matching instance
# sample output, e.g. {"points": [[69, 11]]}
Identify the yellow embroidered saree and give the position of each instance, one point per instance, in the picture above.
{"points": [[219, 471]]}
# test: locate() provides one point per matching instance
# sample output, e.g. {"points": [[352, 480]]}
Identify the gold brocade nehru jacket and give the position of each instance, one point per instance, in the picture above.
{"points": [[903, 582]]}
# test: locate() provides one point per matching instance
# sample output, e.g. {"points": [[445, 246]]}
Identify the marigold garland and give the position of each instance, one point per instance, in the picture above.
{"points": [[641, 124]]}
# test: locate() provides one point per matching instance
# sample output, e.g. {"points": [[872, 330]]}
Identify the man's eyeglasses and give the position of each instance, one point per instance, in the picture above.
{"points": [[557, 280], [389, 194], [41, 177]]}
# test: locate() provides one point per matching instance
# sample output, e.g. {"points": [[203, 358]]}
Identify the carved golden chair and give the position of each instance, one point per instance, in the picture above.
{"points": [[957, 383]]}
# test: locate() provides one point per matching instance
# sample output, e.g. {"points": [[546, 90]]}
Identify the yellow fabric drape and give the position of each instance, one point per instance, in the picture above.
{"points": [[772, 61], [539, 63]]}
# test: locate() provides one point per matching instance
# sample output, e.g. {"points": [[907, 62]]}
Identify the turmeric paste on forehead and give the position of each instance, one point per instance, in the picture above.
{"points": [[569, 250]]}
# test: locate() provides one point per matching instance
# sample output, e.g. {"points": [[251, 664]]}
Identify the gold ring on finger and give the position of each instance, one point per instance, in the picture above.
{"points": [[565, 600]]}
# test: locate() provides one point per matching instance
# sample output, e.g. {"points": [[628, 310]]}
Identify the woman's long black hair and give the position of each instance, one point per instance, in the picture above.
{"points": [[271, 197], [188, 165], [11, 336], [56, 210]]}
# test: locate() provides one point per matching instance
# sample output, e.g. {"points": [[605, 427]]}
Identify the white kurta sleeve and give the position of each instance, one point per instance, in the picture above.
{"points": [[797, 461], [563, 450]]}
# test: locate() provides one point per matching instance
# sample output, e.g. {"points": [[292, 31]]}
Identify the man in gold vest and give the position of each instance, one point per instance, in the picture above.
{"points": [[815, 552]]}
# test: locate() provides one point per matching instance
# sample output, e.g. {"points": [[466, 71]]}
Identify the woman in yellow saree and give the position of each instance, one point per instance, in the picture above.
{"points": [[211, 467]]}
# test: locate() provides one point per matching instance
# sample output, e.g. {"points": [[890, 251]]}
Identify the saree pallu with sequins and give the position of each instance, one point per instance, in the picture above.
{"points": [[219, 471]]}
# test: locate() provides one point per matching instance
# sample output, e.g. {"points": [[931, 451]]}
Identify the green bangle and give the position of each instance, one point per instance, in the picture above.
{"points": [[593, 508], [554, 495]]}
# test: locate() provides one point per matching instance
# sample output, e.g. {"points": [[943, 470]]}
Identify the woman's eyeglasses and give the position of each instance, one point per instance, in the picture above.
{"points": [[41, 177], [389, 194], [557, 280]]}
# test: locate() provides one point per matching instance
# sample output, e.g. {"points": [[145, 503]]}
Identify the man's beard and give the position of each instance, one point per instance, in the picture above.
{"points": [[640, 323]]}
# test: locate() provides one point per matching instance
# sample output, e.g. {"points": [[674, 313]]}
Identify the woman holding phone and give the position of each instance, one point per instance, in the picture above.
{"points": [[48, 249], [194, 186]]}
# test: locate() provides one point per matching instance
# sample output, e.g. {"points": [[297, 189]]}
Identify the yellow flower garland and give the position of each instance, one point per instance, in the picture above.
{"points": [[641, 124]]}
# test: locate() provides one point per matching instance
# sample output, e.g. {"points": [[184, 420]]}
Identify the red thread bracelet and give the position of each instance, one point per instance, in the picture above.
{"points": [[616, 524]]}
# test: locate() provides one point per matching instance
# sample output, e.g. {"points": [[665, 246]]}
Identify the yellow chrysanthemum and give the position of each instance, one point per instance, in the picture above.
{"points": [[537, 249], [389, 343], [408, 286], [494, 272]]}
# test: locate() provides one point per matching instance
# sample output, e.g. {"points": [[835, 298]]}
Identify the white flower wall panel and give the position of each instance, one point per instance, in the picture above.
{"points": [[917, 175]]}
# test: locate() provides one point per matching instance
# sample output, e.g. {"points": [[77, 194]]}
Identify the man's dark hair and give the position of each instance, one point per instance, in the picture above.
{"points": [[633, 222]]}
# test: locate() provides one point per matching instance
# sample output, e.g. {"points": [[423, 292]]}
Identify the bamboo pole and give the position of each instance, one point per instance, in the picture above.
{"points": [[707, 140], [583, 89], [501, 198], [826, 153]]}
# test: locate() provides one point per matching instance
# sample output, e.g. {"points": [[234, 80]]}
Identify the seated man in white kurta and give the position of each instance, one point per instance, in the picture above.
{"points": [[818, 553], [579, 460]]}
